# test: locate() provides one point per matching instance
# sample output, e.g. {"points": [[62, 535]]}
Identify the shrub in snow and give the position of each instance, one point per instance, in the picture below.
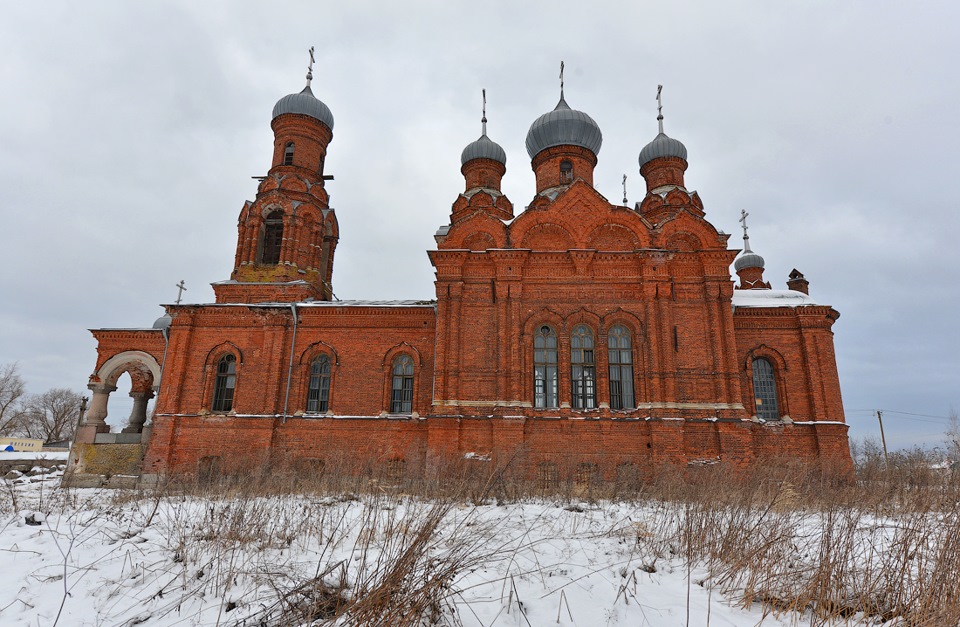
{"points": [[34, 518]]}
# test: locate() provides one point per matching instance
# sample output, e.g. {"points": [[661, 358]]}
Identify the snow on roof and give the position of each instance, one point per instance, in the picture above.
{"points": [[770, 298], [321, 303]]}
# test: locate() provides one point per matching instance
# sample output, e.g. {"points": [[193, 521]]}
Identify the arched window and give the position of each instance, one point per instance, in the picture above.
{"points": [[401, 396], [272, 239], [583, 370], [566, 172], [545, 367], [225, 383], [318, 392], [620, 357], [765, 390], [288, 154]]}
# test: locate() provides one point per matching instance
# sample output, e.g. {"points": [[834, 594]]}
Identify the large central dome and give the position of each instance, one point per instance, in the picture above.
{"points": [[563, 126]]}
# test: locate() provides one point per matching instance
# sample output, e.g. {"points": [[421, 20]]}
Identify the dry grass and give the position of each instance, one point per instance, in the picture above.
{"points": [[883, 548]]}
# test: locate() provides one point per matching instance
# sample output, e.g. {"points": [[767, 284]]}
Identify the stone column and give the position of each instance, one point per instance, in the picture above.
{"points": [[94, 421], [138, 415]]}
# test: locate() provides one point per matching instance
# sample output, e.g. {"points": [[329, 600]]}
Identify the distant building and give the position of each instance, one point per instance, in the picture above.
{"points": [[20, 444], [574, 334]]}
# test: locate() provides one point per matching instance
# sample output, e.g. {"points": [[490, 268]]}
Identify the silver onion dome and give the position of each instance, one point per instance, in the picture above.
{"points": [[563, 126], [304, 103], [662, 146], [748, 259], [163, 322], [483, 148]]}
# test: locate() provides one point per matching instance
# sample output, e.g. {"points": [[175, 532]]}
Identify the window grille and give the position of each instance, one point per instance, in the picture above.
{"points": [[545, 368], [288, 154], [401, 397], [318, 392], [225, 383], [272, 239], [765, 390], [583, 375], [566, 172], [620, 357]]}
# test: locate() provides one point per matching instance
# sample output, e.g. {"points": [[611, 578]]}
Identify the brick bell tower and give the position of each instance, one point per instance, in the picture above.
{"points": [[288, 234]]}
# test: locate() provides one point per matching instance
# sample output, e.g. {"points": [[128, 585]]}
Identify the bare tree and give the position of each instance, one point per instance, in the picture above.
{"points": [[953, 436], [51, 416], [12, 390]]}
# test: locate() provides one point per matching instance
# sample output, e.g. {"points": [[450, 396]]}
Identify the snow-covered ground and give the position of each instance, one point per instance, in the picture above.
{"points": [[95, 557]]}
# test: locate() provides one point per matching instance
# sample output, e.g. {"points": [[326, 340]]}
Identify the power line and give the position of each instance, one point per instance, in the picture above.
{"points": [[894, 411]]}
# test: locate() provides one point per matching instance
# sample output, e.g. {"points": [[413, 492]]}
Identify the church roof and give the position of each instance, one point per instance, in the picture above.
{"points": [[771, 298]]}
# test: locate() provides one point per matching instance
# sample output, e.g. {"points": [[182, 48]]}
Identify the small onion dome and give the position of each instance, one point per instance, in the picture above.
{"points": [[304, 103], [563, 126], [483, 148], [163, 322], [662, 146], [748, 259]]}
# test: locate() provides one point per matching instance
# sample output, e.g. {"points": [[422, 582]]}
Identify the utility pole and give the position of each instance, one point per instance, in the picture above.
{"points": [[882, 438]]}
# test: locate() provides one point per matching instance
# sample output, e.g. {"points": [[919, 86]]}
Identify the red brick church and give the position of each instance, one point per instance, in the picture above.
{"points": [[575, 335]]}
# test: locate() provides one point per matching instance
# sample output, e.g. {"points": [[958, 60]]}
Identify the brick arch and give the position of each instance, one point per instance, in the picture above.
{"points": [[306, 211], [403, 347], [143, 369], [221, 349], [683, 241], [547, 236], [294, 184], [582, 316], [269, 208], [762, 350], [472, 227], [780, 368], [317, 348], [478, 242], [613, 237], [544, 316], [624, 318]]}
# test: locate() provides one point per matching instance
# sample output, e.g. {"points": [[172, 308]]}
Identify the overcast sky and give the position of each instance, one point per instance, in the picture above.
{"points": [[129, 133]]}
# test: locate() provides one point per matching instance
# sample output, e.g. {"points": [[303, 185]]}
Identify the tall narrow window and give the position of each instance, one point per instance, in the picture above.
{"points": [[583, 370], [401, 397], [272, 239], [620, 357], [566, 172], [288, 154], [225, 383], [765, 390], [318, 393], [545, 367]]}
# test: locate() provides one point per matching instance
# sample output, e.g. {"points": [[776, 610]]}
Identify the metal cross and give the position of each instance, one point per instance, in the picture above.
{"points": [[743, 221], [660, 107], [624, 190], [561, 79], [310, 67], [484, 118], [181, 287]]}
